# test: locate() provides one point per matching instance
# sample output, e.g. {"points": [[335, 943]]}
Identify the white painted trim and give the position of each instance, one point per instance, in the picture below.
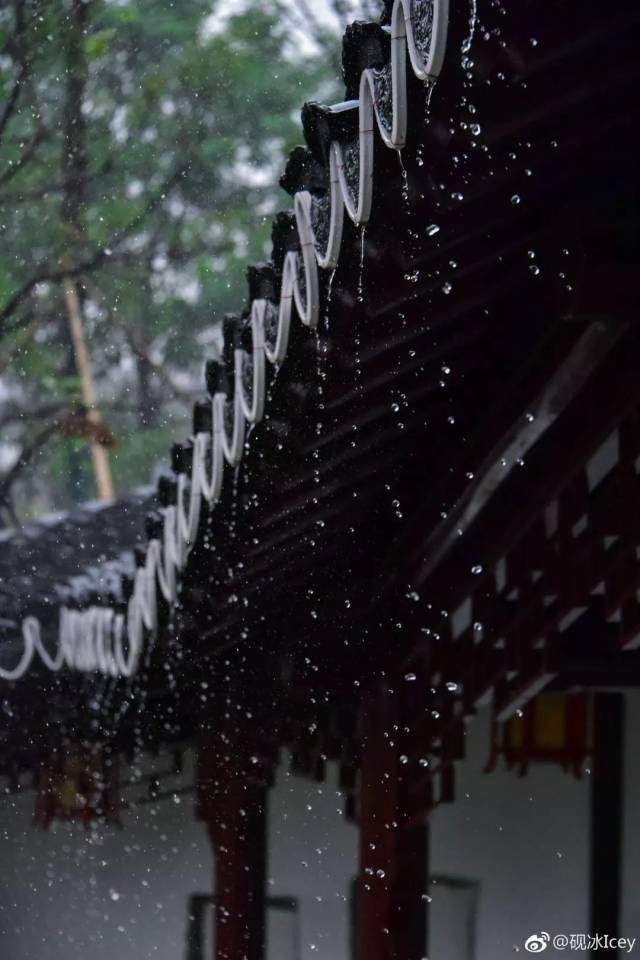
{"points": [[94, 639]]}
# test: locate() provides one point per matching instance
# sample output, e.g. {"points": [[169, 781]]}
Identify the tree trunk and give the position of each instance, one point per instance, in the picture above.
{"points": [[147, 411]]}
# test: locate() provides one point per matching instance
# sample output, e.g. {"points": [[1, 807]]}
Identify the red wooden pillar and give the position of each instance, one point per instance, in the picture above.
{"points": [[233, 804], [607, 791], [410, 901], [391, 907]]}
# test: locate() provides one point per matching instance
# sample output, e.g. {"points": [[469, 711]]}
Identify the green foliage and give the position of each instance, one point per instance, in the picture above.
{"points": [[182, 134]]}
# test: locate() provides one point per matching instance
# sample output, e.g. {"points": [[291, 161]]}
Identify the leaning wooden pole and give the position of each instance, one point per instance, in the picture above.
{"points": [[99, 455]]}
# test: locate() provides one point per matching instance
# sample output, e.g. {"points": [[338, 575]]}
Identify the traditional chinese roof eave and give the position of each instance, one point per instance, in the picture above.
{"points": [[498, 326], [59, 555]]}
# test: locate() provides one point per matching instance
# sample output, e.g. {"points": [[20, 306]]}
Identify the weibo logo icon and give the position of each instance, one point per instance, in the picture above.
{"points": [[537, 942]]}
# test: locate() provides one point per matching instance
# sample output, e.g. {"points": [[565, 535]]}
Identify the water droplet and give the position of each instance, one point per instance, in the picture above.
{"points": [[476, 569], [433, 229], [410, 676], [446, 287], [515, 199], [360, 294]]}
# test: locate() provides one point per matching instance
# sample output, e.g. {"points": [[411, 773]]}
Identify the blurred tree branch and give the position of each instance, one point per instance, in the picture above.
{"points": [[136, 342], [21, 55], [27, 154], [95, 260], [27, 454]]}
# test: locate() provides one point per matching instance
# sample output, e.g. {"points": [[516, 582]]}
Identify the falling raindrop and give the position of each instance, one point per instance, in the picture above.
{"points": [[405, 183], [363, 231], [327, 312]]}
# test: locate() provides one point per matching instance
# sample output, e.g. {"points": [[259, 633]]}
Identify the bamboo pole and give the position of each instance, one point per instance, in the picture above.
{"points": [[99, 456]]}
